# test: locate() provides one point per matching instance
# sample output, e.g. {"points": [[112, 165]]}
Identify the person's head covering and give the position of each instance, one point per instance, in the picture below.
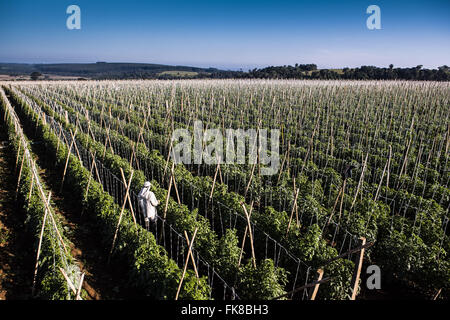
{"points": [[147, 184]]}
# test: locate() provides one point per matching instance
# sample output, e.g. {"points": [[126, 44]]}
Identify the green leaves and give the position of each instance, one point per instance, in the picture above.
{"points": [[263, 283]]}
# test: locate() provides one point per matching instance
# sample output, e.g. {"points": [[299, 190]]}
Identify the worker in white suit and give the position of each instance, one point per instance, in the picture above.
{"points": [[148, 203]]}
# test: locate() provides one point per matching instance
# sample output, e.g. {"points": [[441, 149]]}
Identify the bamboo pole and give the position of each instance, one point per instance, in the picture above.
{"points": [[382, 176], [186, 264], [405, 160], [104, 148], [78, 297], [175, 183], [127, 198], [437, 294], [292, 212], [341, 191], [96, 171], [168, 157], [296, 207], [18, 155], [90, 176], [361, 180], [75, 145], [31, 187], [70, 283], [20, 174], [192, 257], [214, 181], [284, 160], [358, 272], [59, 140], [39, 248], [65, 166], [316, 287], [389, 166], [245, 236], [250, 181], [133, 155], [251, 235], [167, 198], [220, 174], [120, 216], [342, 200], [47, 205]]}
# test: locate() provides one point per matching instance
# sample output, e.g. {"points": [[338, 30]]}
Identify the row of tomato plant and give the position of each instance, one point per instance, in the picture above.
{"points": [[222, 252], [307, 243], [48, 282], [149, 269]]}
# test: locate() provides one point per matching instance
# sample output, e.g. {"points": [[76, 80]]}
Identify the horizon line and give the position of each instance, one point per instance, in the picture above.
{"points": [[220, 68]]}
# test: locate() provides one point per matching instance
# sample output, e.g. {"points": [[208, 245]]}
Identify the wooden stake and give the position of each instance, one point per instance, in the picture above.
{"points": [[214, 181], [69, 282], [405, 160], [358, 272], [104, 148], [167, 198], [18, 155], [186, 264], [20, 174], [47, 205], [341, 191], [120, 216], [90, 176], [220, 174], [175, 183], [65, 166], [437, 294], [75, 145], [316, 287], [127, 197], [192, 257], [168, 157], [293, 210], [381, 180], [78, 297], [133, 155], [39, 247], [284, 160], [342, 200], [251, 235], [31, 187], [250, 181], [245, 236], [296, 207], [389, 166], [361, 180]]}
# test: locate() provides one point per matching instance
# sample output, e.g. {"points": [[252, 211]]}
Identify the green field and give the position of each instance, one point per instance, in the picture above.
{"points": [[362, 164]]}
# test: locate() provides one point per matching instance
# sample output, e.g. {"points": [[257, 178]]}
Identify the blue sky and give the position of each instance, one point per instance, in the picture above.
{"points": [[227, 34]]}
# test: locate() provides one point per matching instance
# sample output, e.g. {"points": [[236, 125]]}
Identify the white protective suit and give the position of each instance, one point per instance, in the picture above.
{"points": [[148, 203]]}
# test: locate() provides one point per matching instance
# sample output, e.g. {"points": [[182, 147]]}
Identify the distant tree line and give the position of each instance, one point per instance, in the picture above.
{"points": [[310, 71], [298, 71]]}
